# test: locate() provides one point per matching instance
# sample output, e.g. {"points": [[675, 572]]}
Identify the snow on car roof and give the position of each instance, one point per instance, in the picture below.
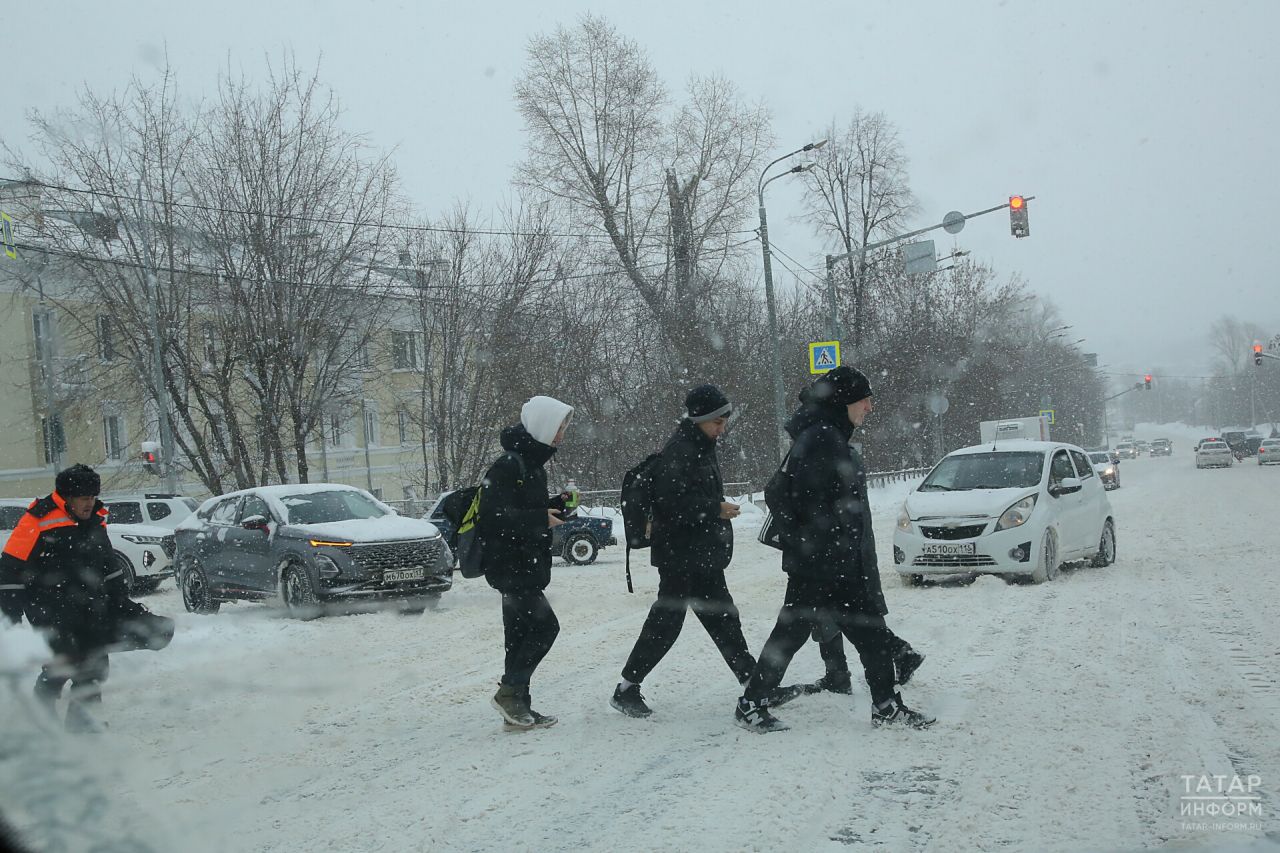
{"points": [[1015, 445]]}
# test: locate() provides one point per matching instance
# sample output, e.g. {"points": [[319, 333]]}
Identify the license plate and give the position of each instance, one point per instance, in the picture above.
{"points": [[403, 575], [950, 548]]}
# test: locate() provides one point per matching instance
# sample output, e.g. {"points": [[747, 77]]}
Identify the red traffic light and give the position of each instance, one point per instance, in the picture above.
{"points": [[1257, 355], [1019, 226], [1147, 378], [149, 457], [1257, 347], [1016, 201]]}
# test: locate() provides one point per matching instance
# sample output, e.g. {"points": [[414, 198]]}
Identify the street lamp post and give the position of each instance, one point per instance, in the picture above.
{"points": [[779, 393]]}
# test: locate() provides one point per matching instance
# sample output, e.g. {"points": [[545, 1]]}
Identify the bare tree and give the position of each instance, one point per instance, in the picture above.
{"points": [[667, 191], [858, 191]]}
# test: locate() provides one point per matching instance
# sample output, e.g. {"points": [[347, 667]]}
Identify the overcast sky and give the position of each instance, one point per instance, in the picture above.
{"points": [[1146, 130]]}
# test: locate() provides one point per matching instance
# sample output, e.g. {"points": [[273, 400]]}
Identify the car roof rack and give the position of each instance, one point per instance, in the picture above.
{"points": [[151, 496]]}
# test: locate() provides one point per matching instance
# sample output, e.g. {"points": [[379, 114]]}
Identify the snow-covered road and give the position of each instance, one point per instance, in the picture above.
{"points": [[1069, 713]]}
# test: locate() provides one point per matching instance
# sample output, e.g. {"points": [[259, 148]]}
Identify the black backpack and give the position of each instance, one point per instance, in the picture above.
{"points": [[637, 506], [470, 547]]}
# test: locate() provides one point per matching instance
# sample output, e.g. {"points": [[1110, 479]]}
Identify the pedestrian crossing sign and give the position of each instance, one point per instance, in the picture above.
{"points": [[824, 356], [1047, 413]]}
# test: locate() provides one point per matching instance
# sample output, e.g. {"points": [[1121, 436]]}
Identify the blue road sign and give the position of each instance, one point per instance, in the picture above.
{"points": [[824, 356]]}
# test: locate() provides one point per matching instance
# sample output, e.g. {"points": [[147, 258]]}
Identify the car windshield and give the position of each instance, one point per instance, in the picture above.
{"points": [[1100, 458], [324, 507], [985, 471]]}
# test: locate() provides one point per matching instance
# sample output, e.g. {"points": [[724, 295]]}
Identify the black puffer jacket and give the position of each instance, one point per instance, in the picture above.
{"points": [[59, 572], [689, 536], [513, 515], [833, 539]]}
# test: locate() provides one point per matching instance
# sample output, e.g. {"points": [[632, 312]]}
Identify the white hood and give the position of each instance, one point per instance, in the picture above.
{"points": [[389, 528], [983, 503], [542, 417]]}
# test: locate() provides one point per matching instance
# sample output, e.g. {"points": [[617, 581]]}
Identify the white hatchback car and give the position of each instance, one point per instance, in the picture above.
{"points": [[1016, 508], [1269, 452]]}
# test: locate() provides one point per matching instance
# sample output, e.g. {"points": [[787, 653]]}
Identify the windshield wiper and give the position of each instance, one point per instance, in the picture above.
{"points": [[934, 487]]}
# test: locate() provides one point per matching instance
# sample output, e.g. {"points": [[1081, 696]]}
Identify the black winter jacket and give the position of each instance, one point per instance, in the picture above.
{"points": [[689, 536], [833, 539], [59, 572], [513, 516]]}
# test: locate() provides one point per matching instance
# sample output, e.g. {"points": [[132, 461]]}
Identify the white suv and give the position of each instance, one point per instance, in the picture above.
{"points": [[157, 509], [1017, 508], [143, 551]]}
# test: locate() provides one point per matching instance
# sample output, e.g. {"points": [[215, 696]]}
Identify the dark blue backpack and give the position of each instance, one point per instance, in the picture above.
{"points": [[637, 506]]}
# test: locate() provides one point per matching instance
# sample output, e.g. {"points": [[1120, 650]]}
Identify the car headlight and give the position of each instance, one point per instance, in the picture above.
{"points": [[904, 520], [1017, 515], [1108, 472], [142, 540]]}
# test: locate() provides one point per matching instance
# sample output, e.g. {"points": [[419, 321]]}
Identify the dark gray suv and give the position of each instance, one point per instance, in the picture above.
{"points": [[311, 547]]}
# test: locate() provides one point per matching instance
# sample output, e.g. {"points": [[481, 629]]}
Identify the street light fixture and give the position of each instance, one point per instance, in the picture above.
{"points": [[779, 394]]}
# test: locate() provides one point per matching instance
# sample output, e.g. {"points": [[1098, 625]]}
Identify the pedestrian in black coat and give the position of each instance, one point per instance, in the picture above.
{"points": [[833, 584], [692, 539], [515, 526], [57, 570]]}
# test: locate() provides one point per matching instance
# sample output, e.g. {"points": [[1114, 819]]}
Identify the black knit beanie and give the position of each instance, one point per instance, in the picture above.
{"points": [[842, 386], [78, 481], [706, 403]]}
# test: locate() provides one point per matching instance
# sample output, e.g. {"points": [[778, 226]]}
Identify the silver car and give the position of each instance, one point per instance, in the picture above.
{"points": [[1214, 454]]}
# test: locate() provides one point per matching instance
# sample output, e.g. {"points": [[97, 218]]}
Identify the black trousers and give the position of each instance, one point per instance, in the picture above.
{"points": [[832, 648], [85, 670], [530, 627], [827, 608], [708, 595]]}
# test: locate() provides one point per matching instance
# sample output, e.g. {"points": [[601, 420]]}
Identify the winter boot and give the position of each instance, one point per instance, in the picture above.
{"points": [[905, 663], [513, 704], [47, 692], [832, 682], [540, 721], [755, 717], [895, 713], [629, 701]]}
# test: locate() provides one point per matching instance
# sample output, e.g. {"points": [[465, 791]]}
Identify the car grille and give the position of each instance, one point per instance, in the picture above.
{"points": [[953, 560], [389, 556], [169, 545], [967, 531]]}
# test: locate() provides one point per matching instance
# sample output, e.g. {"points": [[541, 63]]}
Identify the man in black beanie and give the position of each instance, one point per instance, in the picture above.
{"points": [[692, 545], [829, 555], [57, 570]]}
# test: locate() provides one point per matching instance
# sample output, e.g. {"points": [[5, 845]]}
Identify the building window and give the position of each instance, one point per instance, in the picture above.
{"points": [[360, 357], [113, 436], [404, 350], [209, 341], [336, 429], [402, 422], [53, 438], [371, 426], [106, 338]]}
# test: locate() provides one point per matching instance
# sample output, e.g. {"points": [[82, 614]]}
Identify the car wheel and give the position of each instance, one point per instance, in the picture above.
{"points": [[126, 568], [197, 596], [1047, 564], [298, 593], [581, 549], [1106, 547]]}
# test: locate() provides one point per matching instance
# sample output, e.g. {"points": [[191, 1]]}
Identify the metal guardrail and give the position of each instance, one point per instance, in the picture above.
{"points": [[880, 478]]}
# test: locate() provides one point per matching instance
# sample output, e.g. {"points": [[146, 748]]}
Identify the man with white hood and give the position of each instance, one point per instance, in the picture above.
{"points": [[515, 525]]}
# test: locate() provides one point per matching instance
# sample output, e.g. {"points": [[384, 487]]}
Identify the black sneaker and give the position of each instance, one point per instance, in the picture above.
{"points": [[782, 695], [756, 717], [906, 663], [540, 721], [513, 706], [629, 701], [898, 714], [832, 682]]}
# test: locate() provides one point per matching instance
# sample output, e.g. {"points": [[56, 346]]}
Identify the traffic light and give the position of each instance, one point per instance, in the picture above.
{"points": [[151, 457], [1257, 355], [1018, 216], [1146, 382]]}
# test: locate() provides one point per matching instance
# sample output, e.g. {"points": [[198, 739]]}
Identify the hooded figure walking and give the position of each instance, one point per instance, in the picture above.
{"points": [[57, 569], [833, 583], [515, 524], [692, 545]]}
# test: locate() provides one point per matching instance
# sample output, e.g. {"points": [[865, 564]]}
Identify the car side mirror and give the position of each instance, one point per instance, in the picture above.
{"points": [[255, 522], [1066, 486]]}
